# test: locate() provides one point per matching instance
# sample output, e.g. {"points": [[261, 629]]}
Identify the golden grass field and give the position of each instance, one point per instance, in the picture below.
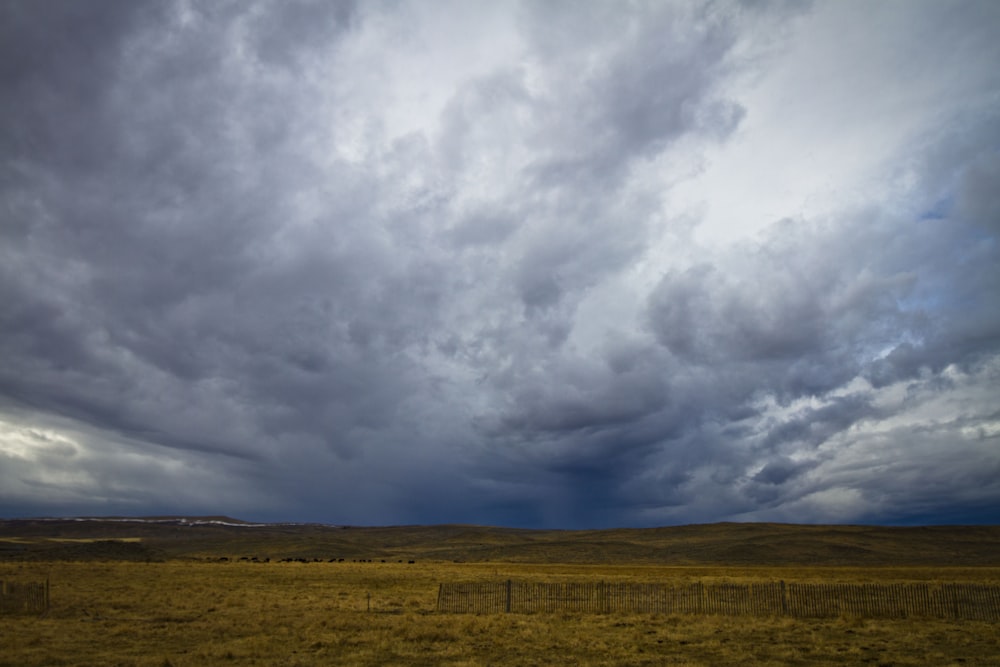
{"points": [[196, 612]]}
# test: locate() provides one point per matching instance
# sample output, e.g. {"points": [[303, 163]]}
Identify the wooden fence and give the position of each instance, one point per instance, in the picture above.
{"points": [[952, 601], [19, 597]]}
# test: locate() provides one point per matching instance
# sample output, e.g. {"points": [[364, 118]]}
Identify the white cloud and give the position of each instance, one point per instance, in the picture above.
{"points": [[833, 118]]}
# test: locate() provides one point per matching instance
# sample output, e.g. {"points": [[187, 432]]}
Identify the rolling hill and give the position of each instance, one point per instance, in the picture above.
{"points": [[750, 544]]}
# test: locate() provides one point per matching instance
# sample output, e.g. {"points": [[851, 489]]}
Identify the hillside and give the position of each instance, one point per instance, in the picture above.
{"points": [[157, 538]]}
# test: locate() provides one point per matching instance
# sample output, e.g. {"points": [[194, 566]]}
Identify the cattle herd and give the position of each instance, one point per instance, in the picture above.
{"points": [[256, 559]]}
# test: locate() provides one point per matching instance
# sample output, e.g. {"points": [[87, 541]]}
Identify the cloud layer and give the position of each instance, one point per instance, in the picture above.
{"points": [[529, 264]]}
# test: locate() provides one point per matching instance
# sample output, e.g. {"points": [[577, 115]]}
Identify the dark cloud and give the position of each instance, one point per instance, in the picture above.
{"points": [[287, 34], [781, 471], [799, 317], [978, 201], [635, 83], [372, 264], [58, 60]]}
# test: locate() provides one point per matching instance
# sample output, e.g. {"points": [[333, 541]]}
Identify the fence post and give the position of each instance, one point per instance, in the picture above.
{"points": [[948, 600]]}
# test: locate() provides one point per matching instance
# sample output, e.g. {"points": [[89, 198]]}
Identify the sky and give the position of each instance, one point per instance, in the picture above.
{"points": [[543, 264]]}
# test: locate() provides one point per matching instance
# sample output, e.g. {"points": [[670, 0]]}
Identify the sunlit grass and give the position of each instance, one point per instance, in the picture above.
{"points": [[68, 540]]}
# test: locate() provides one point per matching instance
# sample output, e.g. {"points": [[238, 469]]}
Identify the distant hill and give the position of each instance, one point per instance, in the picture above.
{"points": [[737, 544]]}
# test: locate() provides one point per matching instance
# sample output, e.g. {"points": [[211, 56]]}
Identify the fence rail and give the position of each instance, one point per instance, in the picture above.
{"points": [[952, 601], [24, 597]]}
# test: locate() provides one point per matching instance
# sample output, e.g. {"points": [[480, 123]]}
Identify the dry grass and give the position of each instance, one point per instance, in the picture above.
{"points": [[197, 613], [71, 540]]}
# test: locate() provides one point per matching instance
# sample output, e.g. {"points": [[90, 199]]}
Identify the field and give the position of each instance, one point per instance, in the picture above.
{"points": [[189, 607], [198, 613]]}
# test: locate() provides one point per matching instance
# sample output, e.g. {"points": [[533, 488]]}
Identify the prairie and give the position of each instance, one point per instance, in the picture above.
{"points": [[197, 612], [172, 591]]}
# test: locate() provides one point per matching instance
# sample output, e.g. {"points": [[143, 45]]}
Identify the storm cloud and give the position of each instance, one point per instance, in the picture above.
{"points": [[536, 264]]}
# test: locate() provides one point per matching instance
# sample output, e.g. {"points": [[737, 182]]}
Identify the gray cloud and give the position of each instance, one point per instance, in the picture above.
{"points": [[314, 261]]}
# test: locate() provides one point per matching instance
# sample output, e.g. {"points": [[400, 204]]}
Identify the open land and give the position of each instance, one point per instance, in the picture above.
{"points": [[160, 593]]}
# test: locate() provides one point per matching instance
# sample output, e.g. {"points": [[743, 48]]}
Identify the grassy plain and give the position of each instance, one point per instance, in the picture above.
{"points": [[195, 612], [714, 544]]}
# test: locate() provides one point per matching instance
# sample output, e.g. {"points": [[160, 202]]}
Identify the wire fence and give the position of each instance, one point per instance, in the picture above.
{"points": [[24, 597], [952, 601]]}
